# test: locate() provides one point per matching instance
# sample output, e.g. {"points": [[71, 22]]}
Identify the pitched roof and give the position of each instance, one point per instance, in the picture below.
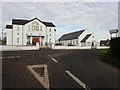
{"points": [[49, 24], [23, 22], [86, 37], [9, 26], [73, 35], [19, 21]]}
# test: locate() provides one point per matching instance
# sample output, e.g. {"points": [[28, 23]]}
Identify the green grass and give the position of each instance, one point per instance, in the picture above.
{"points": [[107, 57], [103, 53]]}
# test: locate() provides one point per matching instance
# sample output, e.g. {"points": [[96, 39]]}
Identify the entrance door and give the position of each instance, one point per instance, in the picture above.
{"points": [[35, 40], [92, 44]]}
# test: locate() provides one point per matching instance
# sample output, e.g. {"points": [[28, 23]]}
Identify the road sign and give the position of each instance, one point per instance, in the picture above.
{"points": [[43, 79], [113, 31]]}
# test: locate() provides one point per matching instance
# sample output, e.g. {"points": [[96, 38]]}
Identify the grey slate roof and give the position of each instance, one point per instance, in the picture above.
{"points": [[23, 22], [19, 21], [9, 26], [86, 37], [50, 24], [73, 35]]}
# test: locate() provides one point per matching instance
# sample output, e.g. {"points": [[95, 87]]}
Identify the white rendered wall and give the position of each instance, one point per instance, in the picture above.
{"points": [[28, 31], [9, 36], [51, 35], [81, 37], [17, 29], [66, 42]]}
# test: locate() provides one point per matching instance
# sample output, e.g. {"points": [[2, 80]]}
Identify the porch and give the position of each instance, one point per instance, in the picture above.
{"points": [[32, 40]]}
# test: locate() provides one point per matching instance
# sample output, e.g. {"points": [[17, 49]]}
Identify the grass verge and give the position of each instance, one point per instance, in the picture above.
{"points": [[109, 58]]}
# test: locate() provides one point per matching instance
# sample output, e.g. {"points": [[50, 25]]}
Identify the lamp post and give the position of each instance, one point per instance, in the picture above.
{"points": [[47, 40], [2, 34], [31, 38]]}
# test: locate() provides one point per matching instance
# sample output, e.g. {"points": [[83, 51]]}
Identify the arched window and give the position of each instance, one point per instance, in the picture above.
{"points": [[35, 26]]}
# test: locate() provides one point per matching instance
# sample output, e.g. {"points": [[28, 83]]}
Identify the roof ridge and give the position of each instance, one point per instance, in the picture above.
{"points": [[74, 32], [73, 35], [23, 22]]}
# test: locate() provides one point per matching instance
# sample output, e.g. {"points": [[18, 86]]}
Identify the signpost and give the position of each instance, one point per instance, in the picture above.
{"points": [[114, 31]]}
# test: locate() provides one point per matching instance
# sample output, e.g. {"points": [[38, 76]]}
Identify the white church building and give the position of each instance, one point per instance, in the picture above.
{"points": [[29, 32], [81, 38]]}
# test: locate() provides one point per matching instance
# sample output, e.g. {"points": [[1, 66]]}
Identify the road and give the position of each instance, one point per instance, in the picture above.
{"points": [[66, 69]]}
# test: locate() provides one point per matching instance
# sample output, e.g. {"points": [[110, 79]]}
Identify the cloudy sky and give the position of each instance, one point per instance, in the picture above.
{"points": [[97, 17]]}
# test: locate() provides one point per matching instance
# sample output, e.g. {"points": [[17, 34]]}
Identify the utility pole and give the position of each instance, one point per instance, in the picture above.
{"points": [[2, 34]]}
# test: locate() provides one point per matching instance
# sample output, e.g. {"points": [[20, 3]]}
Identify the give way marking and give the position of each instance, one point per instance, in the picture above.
{"points": [[43, 79]]}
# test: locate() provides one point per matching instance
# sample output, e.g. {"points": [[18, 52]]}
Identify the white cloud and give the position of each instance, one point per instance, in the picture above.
{"points": [[98, 17]]}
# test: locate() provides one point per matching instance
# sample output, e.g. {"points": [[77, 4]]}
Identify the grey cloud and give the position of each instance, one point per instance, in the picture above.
{"points": [[98, 16]]}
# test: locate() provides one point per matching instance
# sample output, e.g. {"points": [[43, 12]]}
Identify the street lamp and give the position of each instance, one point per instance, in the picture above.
{"points": [[47, 39], [2, 34]]}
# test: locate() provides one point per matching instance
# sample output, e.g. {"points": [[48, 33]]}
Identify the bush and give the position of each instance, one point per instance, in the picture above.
{"points": [[115, 46]]}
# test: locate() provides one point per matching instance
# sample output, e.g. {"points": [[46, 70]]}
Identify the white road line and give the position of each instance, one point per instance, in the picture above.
{"points": [[54, 60], [17, 56], [78, 80], [2, 57], [10, 57]]}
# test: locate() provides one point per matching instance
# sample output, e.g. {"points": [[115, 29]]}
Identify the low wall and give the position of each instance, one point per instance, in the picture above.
{"points": [[78, 47], [15, 48], [70, 47], [102, 47]]}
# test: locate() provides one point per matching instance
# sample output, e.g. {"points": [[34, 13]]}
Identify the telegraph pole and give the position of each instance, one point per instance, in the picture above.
{"points": [[2, 34]]}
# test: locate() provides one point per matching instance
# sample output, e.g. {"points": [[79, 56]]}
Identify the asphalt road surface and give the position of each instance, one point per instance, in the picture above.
{"points": [[65, 68]]}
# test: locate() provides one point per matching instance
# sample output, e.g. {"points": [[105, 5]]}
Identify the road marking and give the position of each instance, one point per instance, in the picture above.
{"points": [[53, 59], [17, 56], [2, 57], [10, 57], [43, 79], [78, 80]]}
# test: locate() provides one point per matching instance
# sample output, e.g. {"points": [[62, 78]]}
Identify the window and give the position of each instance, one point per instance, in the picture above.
{"points": [[35, 26], [17, 40], [40, 28], [73, 42], [49, 29], [49, 40], [76, 41]]}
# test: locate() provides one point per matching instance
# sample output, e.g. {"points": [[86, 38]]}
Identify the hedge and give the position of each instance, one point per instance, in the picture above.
{"points": [[115, 46]]}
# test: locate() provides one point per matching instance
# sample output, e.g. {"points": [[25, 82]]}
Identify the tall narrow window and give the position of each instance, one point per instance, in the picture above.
{"points": [[49, 40], [35, 26], [40, 28], [76, 41], [49, 29], [17, 40]]}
